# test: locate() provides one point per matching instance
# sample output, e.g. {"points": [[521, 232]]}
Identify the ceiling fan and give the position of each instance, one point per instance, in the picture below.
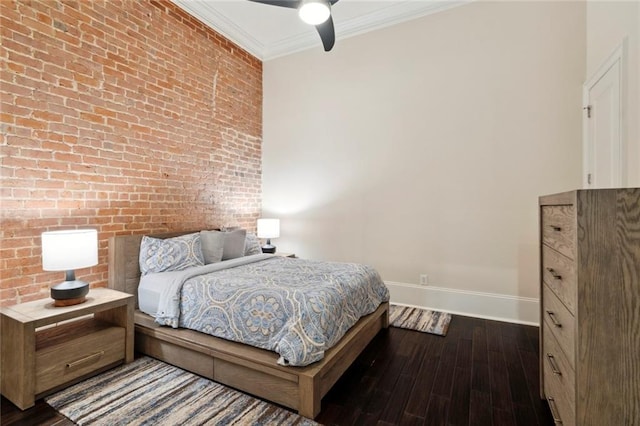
{"points": [[312, 12]]}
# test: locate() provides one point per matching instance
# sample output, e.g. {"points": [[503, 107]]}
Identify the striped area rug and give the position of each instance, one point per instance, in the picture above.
{"points": [[150, 392], [419, 319]]}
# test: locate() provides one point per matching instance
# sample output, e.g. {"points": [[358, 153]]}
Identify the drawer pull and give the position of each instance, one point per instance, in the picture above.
{"points": [[85, 359], [555, 275], [553, 319], [554, 366], [554, 411], [556, 228]]}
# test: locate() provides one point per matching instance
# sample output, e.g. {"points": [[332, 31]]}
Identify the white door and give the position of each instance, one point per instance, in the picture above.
{"points": [[603, 150]]}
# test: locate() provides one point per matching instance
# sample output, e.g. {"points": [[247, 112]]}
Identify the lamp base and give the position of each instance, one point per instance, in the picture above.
{"points": [[69, 293], [69, 302], [269, 248]]}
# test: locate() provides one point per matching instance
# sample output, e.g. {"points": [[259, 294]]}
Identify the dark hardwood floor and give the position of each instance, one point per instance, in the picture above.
{"points": [[482, 373]]}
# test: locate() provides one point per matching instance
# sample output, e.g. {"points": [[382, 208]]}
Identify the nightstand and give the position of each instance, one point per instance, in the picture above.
{"points": [[285, 254], [45, 348]]}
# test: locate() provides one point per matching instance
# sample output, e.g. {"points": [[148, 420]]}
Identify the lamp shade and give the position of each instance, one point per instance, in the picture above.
{"points": [[314, 12], [69, 249], [268, 228]]}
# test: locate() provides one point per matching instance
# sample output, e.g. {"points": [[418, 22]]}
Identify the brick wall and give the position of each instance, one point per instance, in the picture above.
{"points": [[126, 116]]}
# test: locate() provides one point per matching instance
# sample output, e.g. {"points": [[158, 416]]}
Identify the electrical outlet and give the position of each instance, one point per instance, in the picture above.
{"points": [[424, 279]]}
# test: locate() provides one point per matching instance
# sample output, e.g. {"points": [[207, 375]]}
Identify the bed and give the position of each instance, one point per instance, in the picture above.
{"points": [[247, 368]]}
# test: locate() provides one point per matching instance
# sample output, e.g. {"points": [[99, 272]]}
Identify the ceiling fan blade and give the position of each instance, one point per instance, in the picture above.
{"points": [[326, 30], [327, 34], [293, 4]]}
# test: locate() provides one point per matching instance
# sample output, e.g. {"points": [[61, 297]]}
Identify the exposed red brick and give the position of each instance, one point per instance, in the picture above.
{"points": [[109, 121]]}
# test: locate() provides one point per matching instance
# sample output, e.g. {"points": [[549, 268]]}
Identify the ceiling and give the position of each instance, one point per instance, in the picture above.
{"points": [[268, 32]]}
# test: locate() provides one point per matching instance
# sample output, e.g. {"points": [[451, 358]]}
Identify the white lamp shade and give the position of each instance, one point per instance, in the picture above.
{"points": [[314, 12], [68, 250], [268, 228]]}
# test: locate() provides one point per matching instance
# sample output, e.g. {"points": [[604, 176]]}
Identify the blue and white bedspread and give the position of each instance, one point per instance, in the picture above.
{"points": [[296, 307]]}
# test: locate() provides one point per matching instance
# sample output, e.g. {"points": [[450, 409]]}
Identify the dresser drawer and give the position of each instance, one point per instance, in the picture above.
{"points": [[558, 229], [557, 368], [559, 273], [64, 361], [556, 319], [562, 411]]}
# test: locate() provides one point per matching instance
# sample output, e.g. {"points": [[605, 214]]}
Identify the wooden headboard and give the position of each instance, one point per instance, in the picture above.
{"points": [[124, 267]]}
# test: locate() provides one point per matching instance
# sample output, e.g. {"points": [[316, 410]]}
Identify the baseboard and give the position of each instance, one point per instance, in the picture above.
{"points": [[520, 310]]}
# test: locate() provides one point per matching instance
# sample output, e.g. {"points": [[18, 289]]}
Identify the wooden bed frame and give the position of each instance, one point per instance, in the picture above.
{"points": [[243, 367]]}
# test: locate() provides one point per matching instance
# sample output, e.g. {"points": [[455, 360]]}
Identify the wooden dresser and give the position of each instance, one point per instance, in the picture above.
{"points": [[590, 306]]}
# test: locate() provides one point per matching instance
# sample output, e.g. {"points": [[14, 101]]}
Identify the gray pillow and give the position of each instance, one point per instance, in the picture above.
{"points": [[252, 245], [212, 246], [170, 254], [234, 244]]}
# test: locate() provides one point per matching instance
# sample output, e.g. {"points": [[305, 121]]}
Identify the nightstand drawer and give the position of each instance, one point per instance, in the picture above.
{"points": [[559, 273], [556, 319], [65, 360], [558, 229]]}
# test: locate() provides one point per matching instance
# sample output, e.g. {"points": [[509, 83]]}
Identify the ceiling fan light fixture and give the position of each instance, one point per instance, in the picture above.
{"points": [[314, 12]]}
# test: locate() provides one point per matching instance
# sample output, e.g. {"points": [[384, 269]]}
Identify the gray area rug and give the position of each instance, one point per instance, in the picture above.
{"points": [[150, 392], [424, 320]]}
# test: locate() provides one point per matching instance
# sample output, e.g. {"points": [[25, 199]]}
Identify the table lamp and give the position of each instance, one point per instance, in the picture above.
{"points": [[66, 251], [268, 228]]}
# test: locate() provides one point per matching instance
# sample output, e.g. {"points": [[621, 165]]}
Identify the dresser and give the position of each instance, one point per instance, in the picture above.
{"points": [[590, 306]]}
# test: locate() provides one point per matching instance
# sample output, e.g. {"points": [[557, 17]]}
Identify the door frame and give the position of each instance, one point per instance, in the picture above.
{"points": [[618, 55]]}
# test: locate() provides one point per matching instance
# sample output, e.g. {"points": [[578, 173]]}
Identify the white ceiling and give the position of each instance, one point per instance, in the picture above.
{"points": [[268, 32]]}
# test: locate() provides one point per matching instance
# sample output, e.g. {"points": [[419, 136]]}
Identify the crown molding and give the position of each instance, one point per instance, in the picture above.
{"points": [[392, 14], [395, 14], [207, 13]]}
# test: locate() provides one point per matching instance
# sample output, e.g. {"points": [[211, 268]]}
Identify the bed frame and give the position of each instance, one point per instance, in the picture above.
{"points": [[243, 367]]}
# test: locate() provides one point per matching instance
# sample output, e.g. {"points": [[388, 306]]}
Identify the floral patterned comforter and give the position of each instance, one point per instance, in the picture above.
{"points": [[296, 307]]}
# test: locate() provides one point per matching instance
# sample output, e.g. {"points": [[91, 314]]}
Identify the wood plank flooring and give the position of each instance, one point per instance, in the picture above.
{"points": [[482, 373]]}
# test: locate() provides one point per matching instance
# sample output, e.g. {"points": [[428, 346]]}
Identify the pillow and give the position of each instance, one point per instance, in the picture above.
{"points": [[252, 245], [170, 254], [234, 244], [212, 246]]}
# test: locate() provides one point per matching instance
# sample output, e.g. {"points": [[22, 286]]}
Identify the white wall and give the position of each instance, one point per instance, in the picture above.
{"points": [[422, 148], [608, 24]]}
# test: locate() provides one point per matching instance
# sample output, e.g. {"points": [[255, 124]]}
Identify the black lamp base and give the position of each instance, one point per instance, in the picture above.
{"points": [[269, 248], [69, 292]]}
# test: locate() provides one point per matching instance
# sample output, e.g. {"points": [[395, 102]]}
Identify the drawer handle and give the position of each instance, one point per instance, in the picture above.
{"points": [[554, 366], [85, 359], [553, 319], [555, 275], [556, 228], [554, 411]]}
